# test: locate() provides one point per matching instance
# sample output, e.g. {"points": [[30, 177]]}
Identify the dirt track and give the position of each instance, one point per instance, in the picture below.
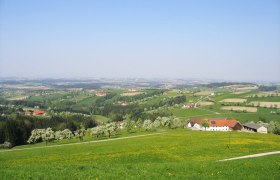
{"points": [[252, 156]]}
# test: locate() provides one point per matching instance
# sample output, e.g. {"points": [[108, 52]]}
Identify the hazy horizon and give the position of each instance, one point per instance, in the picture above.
{"points": [[234, 40]]}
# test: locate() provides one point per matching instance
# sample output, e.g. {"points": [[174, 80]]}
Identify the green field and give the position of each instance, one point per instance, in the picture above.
{"points": [[176, 154]]}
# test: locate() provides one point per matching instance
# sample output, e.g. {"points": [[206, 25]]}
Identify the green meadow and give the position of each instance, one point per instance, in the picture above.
{"points": [[175, 154]]}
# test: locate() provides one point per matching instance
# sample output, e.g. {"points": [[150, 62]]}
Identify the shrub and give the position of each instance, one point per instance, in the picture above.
{"points": [[6, 145]]}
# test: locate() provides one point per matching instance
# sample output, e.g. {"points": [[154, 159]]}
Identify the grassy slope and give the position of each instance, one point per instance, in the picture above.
{"points": [[178, 154]]}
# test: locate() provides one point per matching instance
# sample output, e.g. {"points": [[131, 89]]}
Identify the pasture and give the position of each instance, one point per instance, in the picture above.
{"points": [[205, 103], [239, 108], [176, 154], [233, 100], [240, 92], [131, 93], [203, 93], [266, 104]]}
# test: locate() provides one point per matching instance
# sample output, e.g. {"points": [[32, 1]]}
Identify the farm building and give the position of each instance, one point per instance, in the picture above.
{"points": [[215, 124], [100, 93], [188, 105], [252, 127], [39, 113], [29, 113], [120, 124], [35, 113]]}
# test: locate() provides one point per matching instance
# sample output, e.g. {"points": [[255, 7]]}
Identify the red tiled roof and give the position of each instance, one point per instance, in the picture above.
{"points": [[39, 112], [229, 123], [217, 122]]}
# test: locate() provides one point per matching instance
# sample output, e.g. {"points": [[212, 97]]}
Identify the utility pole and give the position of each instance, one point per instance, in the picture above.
{"points": [[229, 139]]}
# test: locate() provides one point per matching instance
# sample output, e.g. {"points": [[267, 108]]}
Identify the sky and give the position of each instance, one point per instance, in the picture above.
{"points": [[230, 40]]}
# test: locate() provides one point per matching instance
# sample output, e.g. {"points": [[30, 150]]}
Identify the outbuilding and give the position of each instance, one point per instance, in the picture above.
{"points": [[252, 127]]}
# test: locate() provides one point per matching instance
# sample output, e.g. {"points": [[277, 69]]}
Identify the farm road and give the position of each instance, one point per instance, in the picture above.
{"points": [[87, 142], [252, 156]]}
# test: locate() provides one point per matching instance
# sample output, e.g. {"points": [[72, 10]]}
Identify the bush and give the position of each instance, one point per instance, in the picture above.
{"points": [[6, 145]]}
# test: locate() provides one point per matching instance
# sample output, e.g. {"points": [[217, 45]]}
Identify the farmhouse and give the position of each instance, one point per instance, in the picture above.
{"points": [[124, 104], [29, 113], [39, 113], [120, 124], [188, 105], [215, 124], [100, 94], [252, 127], [35, 113]]}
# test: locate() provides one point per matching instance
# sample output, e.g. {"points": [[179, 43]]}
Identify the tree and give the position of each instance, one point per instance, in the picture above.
{"points": [[80, 133], [48, 135], [156, 123], [147, 125], [58, 135], [11, 132], [36, 135], [205, 124], [97, 131], [71, 126], [67, 134], [165, 121], [276, 129], [90, 123], [128, 124], [110, 129], [139, 123], [175, 123]]}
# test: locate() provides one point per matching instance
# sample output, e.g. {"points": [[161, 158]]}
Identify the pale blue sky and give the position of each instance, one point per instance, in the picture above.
{"points": [[219, 39]]}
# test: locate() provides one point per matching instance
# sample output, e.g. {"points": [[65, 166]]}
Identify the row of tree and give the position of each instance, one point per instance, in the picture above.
{"points": [[17, 128], [48, 135], [108, 129]]}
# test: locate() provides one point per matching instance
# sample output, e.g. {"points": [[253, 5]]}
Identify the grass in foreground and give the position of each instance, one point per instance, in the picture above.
{"points": [[177, 154]]}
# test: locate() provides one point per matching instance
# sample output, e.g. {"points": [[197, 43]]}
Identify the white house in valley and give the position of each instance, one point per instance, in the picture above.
{"points": [[215, 124]]}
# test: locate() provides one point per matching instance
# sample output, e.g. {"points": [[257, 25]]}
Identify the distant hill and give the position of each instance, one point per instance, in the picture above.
{"points": [[221, 84]]}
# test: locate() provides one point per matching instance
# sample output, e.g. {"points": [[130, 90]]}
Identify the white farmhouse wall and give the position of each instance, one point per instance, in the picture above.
{"points": [[197, 126], [262, 130], [217, 128]]}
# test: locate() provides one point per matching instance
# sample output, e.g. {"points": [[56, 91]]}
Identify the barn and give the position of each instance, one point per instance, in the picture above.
{"points": [[252, 127]]}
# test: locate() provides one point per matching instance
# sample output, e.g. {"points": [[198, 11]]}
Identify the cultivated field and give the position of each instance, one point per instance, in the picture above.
{"points": [[205, 103], [264, 94], [247, 88], [234, 100], [18, 98], [131, 93], [203, 93], [240, 92], [176, 154], [266, 104], [239, 108]]}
